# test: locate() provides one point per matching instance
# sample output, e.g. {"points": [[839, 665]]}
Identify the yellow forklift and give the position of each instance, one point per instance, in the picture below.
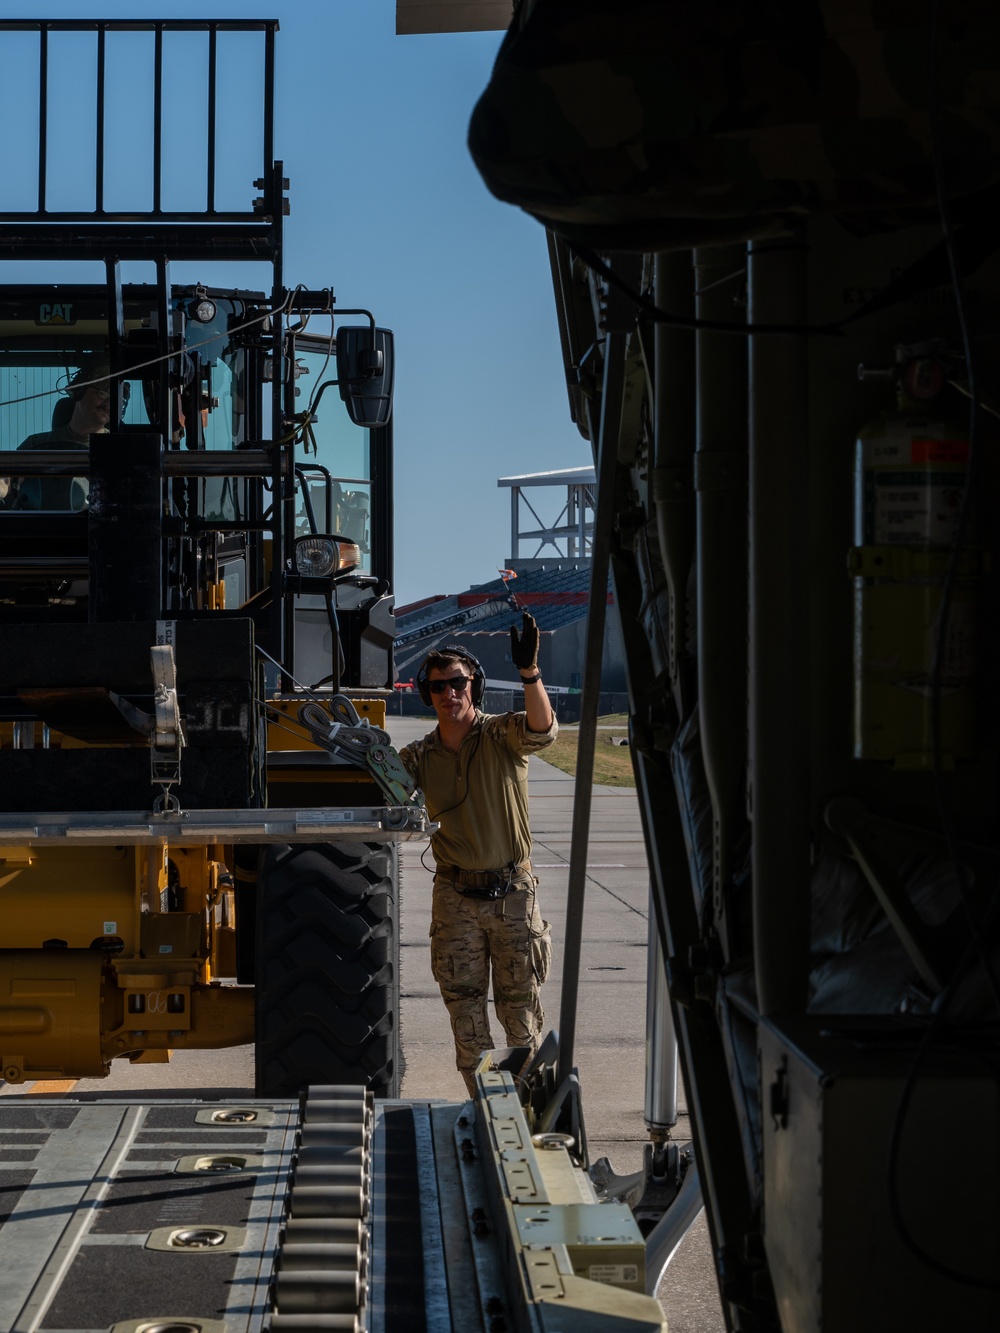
{"points": [[200, 807]]}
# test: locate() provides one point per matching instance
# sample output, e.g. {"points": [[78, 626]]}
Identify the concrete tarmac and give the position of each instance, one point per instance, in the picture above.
{"points": [[611, 1016]]}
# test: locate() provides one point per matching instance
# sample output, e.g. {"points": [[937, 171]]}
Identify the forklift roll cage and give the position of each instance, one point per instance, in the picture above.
{"points": [[160, 236]]}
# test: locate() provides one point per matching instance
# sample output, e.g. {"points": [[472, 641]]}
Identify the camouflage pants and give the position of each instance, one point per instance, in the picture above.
{"points": [[470, 937]]}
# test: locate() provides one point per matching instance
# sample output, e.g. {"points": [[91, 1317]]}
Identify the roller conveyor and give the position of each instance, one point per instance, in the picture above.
{"points": [[330, 1213]]}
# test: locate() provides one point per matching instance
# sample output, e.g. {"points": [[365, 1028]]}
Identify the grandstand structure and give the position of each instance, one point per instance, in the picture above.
{"points": [[553, 583], [568, 535]]}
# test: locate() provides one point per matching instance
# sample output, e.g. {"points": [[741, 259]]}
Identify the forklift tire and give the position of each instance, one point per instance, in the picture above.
{"points": [[327, 968]]}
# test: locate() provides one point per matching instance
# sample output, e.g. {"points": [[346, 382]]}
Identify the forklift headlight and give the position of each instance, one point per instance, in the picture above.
{"points": [[319, 557], [202, 310]]}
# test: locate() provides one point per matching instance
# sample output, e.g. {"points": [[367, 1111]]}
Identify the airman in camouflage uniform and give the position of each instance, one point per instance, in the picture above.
{"points": [[473, 771]]}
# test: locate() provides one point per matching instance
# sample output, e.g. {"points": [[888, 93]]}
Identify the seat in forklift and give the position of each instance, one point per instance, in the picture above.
{"points": [[62, 413]]}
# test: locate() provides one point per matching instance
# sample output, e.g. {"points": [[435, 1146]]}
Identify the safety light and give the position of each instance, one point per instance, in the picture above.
{"points": [[202, 310], [321, 556], [350, 556]]}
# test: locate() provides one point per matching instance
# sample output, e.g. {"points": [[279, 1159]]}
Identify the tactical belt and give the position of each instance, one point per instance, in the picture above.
{"points": [[485, 883]]}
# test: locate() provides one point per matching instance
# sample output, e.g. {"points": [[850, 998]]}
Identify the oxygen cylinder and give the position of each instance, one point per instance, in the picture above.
{"points": [[910, 472]]}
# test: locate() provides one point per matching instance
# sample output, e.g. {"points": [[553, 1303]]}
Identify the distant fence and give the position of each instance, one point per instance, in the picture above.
{"points": [[567, 706]]}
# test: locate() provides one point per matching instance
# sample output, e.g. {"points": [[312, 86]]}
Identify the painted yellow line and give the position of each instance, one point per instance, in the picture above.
{"points": [[53, 1087]]}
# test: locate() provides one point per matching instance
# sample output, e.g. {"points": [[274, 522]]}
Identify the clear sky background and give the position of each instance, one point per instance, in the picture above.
{"points": [[388, 209]]}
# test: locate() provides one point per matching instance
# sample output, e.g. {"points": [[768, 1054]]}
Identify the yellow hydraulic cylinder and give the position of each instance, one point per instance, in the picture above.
{"points": [[50, 1014]]}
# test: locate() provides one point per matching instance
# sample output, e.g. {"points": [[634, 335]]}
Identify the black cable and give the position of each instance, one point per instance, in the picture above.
{"points": [[450, 808], [650, 308], [977, 948], [945, 812], [721, 282]]}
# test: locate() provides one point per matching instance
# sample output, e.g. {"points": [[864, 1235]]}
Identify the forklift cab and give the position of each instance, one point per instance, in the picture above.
{"points": [[216, 530]]}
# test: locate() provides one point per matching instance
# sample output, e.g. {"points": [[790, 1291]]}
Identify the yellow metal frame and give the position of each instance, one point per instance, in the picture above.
{"points": [[119, 952], [94, 968]]}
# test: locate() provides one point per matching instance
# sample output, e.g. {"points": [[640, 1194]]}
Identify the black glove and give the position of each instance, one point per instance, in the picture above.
{"points": [[524, 646]]}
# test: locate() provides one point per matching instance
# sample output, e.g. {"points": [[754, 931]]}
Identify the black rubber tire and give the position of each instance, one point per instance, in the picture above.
{"points": [[327, 968]]}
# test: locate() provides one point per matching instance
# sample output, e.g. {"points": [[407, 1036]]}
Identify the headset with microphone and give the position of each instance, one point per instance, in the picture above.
{"points": [[478, 686]]}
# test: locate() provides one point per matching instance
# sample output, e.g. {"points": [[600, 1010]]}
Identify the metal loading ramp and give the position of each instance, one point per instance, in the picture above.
{"points": [[333, 1212]]}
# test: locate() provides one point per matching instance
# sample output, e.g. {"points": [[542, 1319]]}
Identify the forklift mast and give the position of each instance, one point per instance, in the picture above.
{"points": [[202, 499]]}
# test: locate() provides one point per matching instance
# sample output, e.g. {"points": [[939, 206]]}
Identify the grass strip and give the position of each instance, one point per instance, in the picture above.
{"points": [[612, 762]]}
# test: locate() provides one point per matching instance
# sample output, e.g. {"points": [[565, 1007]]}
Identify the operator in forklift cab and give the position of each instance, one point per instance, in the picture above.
{"points": [[86, 412]]}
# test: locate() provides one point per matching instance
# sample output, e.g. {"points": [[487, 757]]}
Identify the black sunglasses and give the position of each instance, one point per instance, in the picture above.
{"points": [[457, 683]]}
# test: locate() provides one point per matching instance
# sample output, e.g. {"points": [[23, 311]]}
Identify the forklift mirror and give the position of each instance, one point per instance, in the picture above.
{"points": [[365, 373]]}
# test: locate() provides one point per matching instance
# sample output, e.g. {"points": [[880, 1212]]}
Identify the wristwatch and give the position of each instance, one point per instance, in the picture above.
{"points": [[531, 680]]}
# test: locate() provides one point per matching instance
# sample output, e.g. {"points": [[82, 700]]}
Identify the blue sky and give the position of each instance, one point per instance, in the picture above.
{"points": [[388, 208]]}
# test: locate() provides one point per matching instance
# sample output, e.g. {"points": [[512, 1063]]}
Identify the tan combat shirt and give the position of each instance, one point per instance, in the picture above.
{"points": [[480, 795]]}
